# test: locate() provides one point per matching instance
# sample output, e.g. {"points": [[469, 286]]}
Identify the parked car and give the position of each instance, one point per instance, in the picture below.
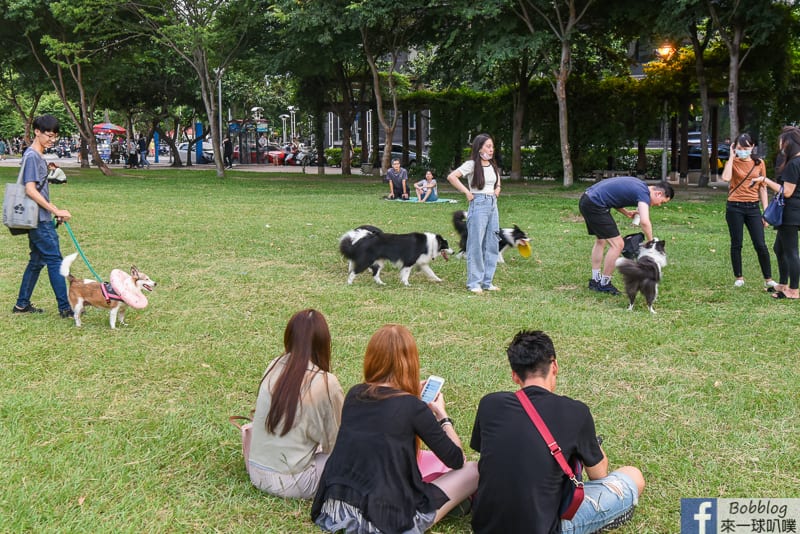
{"points": [[694, 154], [397, 152], [208, 152]]}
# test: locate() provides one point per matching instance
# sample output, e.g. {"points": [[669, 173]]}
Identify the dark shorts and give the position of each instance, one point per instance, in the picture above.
{"points": [[599, 221]]}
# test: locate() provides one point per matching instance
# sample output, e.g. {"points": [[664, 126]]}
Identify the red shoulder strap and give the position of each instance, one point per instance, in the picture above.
{"points": [[555, 450]]}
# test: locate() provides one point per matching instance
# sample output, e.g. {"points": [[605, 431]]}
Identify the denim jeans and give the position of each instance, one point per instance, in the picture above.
{"points": [[741, 214], [483, 245], [604, 500], [43, 242]]}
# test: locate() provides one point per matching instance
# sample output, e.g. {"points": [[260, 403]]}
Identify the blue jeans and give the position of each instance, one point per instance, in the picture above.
{"points": [[604, 500], [483, 245], [741, 214], [43, 242]]}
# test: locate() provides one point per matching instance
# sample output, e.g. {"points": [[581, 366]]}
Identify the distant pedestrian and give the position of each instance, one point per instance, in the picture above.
{"points": [[227, 152], [142, 145], [2, 150]]}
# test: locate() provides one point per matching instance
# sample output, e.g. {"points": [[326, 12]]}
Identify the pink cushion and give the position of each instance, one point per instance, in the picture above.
{"points": [[126, 288]]}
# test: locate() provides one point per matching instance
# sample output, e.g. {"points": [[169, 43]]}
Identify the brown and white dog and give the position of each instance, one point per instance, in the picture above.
{"points": [[92, 293]]}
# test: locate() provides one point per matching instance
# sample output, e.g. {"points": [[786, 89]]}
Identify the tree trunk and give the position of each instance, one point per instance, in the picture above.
{"points": [[733, 82], [520, 102], [563, 122]]}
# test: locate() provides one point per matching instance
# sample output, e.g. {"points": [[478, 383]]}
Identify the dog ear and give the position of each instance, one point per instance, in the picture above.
{"points": [[660, 246], [134, 271]]}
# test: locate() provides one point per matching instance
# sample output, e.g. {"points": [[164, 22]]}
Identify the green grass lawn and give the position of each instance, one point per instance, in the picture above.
{"points": [[126, 430]]}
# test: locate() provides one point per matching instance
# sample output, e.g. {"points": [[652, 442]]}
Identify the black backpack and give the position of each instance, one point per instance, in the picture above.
{"points": [[632, 244]]}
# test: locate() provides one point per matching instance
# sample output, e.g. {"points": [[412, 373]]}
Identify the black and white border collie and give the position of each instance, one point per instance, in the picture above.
{"points": [[369, 247], [644, 273], [509, 237]]}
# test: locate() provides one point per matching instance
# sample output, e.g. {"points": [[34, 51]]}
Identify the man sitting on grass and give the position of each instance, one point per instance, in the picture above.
{"points": [[520, 485]]}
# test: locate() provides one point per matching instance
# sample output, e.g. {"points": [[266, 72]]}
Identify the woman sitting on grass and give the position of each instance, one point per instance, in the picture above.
{"points": [[372, 482], [426, 189], [298, 411]]}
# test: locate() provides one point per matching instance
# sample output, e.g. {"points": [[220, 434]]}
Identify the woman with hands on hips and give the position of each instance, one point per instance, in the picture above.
{"points": [[483, 181], [786, 244], [742, 208]]}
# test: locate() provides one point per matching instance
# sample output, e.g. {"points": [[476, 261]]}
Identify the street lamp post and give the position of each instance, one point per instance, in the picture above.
{"points": [[283, 118], [292, 111], [664, 53]]}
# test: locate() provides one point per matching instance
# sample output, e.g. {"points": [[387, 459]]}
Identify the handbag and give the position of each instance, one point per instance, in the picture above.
{"points": [[570, 504], [20, 212], [774, 212], [246, 430]]}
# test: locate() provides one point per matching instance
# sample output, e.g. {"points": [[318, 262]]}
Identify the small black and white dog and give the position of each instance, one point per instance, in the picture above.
{"points": [[369, 247], [509, 237], [644, 273]]}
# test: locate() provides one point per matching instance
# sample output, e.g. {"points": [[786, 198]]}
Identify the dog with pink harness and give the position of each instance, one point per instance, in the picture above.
{"points": [[121, 291]]}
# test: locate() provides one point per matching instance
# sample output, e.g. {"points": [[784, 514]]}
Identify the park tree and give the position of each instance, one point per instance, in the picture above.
{"points": [[744, 26], [561, 18], [207, 34], [388, 30], [73, 42], [486, 48], [321, 49]]}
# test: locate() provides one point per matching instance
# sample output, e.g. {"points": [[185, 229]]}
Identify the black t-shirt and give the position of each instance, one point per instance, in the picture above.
{"points": [[521, 484], [791, 174], [373, 464]]}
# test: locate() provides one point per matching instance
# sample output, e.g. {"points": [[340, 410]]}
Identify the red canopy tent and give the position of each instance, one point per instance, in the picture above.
{"points": [[108, 128]]}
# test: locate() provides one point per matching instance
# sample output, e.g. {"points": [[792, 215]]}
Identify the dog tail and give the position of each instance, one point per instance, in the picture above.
{"points": [[637, 270], [460, 221], [347, 243], [66, 263]]}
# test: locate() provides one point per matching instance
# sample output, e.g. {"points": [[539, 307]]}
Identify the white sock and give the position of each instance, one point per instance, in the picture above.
{"points": [[596, 275], [604, 280]]}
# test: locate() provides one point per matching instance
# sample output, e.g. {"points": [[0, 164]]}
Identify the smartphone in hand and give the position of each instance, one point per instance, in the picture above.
{"points": [[431, 388]]}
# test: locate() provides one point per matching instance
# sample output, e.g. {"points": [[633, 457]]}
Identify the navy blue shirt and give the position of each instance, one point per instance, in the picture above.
{"points": [[619, 192]]}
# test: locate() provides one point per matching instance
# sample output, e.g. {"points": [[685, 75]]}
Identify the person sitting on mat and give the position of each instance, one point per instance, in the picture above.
{"points": [[426, 189]]}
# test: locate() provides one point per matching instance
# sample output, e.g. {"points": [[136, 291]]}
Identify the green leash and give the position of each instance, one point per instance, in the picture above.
{"points": [[77, 246]]}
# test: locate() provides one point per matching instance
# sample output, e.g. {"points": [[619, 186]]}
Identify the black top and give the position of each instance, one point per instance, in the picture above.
{"points": [[521, 484], [791, 174], [373, 464]]}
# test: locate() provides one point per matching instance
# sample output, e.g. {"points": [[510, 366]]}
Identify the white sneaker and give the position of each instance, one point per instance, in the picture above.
{"points": [[492, 288], [476, 290], [770, 285], [738, 283]]}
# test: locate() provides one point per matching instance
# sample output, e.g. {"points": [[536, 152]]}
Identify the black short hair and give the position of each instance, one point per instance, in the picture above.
{"points": [[666, 188], [45, 123], [530, 353]]}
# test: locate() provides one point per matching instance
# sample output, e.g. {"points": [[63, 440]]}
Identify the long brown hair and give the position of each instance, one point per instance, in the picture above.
{"points": [[306, 339], [392, 357], [478, 180]]}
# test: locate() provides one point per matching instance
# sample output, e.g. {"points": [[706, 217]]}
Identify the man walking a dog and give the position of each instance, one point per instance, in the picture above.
{"points": [[43, 240], [521, 485], [595, 205]]}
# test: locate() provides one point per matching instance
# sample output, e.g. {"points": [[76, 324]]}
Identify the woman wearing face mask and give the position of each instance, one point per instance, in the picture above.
{"points": [[743, 208], [786, 246], [483, 222]]}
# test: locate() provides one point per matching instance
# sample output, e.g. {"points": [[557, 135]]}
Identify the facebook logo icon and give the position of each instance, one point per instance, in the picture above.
{"points": [[698, 516]]}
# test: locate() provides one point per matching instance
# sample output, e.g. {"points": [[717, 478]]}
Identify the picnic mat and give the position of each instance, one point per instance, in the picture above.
{"points": [[414, 199]]}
